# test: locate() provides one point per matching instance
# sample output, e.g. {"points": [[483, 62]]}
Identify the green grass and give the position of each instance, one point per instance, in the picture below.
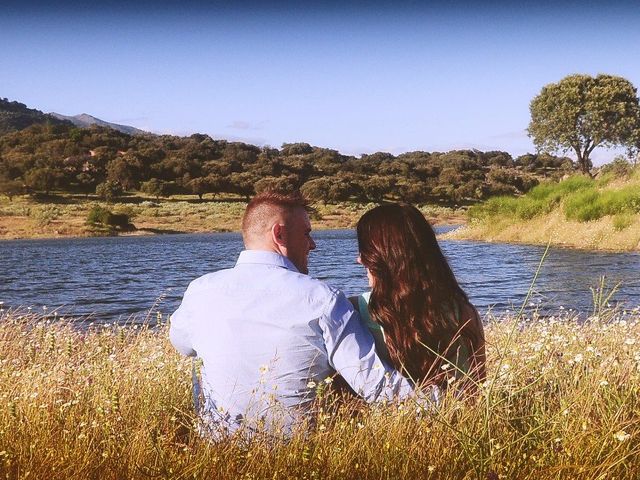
{"points": [[581, 198], [592, 204], [622, 221]]}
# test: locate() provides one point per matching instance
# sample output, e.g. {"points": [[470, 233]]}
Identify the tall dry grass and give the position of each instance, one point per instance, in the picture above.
{"points": [[112, 402]]}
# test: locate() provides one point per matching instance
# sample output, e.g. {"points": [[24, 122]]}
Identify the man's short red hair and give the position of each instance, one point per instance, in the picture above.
{"points": [[265, 206]]}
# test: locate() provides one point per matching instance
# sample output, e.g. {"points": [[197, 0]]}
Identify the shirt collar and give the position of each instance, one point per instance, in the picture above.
{"points": [[264, 257]]}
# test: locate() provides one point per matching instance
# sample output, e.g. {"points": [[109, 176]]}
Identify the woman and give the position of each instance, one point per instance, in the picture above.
{"points": [[421, 319]]}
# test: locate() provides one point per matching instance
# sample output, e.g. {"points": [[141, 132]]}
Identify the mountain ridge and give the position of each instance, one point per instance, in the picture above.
{"points": [[85, 120], [16, 116]]}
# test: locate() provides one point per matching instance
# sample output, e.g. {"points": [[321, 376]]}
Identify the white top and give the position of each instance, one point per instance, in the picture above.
{"points": [[268, 335]]}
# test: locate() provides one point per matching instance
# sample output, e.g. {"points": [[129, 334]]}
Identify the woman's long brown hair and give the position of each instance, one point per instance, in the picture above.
{"points": [[415, 296]]}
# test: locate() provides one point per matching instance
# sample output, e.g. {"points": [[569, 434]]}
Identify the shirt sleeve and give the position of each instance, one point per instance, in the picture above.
{"points": [[178, 330], [351, 352]]}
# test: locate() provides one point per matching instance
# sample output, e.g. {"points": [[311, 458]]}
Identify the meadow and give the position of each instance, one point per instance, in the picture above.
{"points": [[561, 401], [593, 213]]}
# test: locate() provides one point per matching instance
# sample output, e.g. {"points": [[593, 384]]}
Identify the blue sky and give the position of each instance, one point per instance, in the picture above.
{"points": [[356, 77]]}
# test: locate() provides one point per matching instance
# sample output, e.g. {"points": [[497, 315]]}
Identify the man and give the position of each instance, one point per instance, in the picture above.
{"points": [[268, 334]]}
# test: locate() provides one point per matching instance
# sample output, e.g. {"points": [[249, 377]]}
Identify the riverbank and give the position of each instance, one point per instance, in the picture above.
{"points": [[66, 216], [115, 402], [553, 228], [579, 212]]}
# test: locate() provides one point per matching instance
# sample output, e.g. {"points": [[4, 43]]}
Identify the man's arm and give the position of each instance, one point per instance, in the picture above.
{"points": [[178, 331], [351, 350]]}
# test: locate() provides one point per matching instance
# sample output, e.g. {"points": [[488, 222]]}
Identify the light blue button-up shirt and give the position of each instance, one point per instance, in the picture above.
{"points": [[268, 335]]}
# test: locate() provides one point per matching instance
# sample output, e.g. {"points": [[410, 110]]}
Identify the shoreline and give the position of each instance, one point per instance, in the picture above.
{"points": [[25, 219], [146, 232], [555, 231], [463, 238]]}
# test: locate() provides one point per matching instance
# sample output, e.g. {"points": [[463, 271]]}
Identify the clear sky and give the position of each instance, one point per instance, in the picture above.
{"points": [[356, 77]]}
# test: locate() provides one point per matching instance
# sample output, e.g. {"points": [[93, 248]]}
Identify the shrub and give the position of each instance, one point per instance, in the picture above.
{"points": [[619, 201], [45, 215], [495, 206], [157, 188], [583, 206], [527, 208], [109, 190], [620, 167], [100, 216], [317, 190], [575, 183], [11, 188], [592, 205], [622, 221]]}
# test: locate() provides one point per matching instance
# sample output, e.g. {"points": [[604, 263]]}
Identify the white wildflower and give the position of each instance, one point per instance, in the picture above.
{"points": [[621, 435]]}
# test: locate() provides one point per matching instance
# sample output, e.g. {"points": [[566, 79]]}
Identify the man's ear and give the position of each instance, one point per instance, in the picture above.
{"points": [[278, 235]]}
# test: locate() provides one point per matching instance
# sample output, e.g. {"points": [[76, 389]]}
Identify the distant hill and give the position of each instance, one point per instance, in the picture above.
{"points": [[16, 116], [85, 120], [67, 158]]}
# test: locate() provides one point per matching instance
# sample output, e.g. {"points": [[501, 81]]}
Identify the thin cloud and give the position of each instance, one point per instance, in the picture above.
{"points": [[245, 125]]}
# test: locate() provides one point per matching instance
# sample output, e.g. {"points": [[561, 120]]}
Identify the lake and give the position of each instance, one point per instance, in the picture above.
{"points": [[117, 278]]}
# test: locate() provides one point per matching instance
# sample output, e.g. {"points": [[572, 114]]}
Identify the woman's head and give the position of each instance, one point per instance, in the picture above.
{"points": [[397, 244], [414, 292]]}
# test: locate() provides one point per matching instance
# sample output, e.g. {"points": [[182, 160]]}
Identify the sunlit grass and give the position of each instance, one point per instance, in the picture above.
{"points": [[599, 214], [562, 401], [583, 199]]}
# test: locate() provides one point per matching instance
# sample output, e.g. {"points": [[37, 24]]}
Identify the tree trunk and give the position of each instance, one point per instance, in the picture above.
{"points": [[583, 160]]}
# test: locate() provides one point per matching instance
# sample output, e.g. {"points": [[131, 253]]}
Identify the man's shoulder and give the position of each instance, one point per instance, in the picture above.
{"points": [[209, 279], [294, 281], [313, 285]]}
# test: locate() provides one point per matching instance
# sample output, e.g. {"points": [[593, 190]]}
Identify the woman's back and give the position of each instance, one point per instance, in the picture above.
{"points": [[460, 359], [430, 329]]}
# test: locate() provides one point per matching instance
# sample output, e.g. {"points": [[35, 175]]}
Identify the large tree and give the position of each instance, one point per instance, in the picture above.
{"points": [[581, 113]]}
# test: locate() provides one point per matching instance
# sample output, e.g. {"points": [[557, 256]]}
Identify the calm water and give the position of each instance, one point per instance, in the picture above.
{"points": [[115, 278]]}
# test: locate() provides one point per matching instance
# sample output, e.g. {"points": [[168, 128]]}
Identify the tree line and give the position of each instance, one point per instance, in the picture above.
{"points": [[579, 113], [60, 157]]}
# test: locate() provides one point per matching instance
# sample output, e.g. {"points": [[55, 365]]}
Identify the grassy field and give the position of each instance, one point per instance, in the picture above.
{"points": [[562, 401], [66, 216], [599, 214]]}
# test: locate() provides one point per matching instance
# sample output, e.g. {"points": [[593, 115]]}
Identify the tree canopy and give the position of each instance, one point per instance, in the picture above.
{"points": [[46, 157], [581, 112]]}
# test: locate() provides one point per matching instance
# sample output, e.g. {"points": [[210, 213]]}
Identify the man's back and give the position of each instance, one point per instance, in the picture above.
{"points": [[267, 334]]}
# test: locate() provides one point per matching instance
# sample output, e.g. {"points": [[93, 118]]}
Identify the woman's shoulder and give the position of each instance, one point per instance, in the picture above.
{"points": [[361, 304], [359, 301]]}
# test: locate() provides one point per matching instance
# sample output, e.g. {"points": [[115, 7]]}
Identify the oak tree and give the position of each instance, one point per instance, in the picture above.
{"points": [[581, 112]]}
